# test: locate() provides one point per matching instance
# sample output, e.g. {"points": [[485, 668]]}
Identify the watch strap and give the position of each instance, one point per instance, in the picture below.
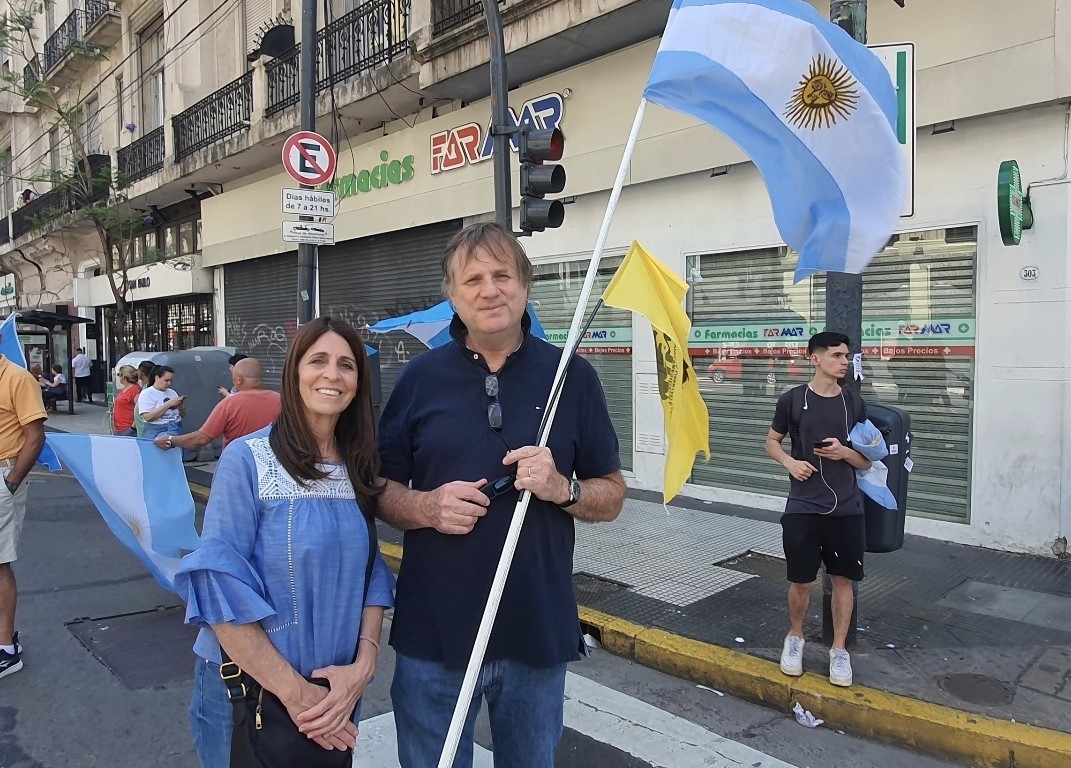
{"points": [[574, 494]]}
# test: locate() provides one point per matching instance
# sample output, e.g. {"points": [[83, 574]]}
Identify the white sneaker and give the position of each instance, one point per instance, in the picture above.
{"points": [[792, 656], [840, 667]]}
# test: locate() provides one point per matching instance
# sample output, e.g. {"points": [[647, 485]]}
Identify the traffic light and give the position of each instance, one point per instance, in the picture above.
{"points": [[537, 179]]}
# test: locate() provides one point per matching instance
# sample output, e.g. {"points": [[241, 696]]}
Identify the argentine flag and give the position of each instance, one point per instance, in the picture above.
{"points": [[815, 110], [141, 492], [12, 350], [432, 325]]}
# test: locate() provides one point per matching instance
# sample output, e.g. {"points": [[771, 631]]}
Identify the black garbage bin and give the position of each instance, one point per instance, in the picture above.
{"points": [[885, 527]]}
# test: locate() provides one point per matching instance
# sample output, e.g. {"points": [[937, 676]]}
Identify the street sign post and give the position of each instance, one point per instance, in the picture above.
{"points": [[309, 232], [309, 158], [308, 202]]}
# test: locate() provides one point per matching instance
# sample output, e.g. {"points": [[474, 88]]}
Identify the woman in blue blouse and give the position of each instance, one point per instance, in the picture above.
{"points": [[280, 573]]}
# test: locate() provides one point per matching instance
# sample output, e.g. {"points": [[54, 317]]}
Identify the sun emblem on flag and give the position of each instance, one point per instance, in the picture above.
{"points": [[826, 93]]}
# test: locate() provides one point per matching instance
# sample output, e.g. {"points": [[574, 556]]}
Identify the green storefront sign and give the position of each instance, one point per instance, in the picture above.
{"points": [[388, 172]]}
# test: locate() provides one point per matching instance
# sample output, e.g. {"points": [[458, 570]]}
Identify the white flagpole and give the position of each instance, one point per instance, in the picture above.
{"points": [[464, 699]]}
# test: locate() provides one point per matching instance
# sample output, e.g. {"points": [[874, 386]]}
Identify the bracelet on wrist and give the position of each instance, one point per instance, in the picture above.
{"points": [[370, 640]]}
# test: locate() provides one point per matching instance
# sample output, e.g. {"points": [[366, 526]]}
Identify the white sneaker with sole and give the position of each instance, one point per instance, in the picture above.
{"points": [[840, 667], [792, 656]]}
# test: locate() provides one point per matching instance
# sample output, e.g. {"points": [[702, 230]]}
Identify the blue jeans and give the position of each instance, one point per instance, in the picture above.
{"points": [[525, 706], [211, 716]]}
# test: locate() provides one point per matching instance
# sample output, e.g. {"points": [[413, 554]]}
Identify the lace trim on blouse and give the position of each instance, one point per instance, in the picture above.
{"points": [[274, 483]]}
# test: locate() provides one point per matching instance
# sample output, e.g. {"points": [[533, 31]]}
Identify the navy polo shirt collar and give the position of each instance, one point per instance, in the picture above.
{"points": [[459, 333]]}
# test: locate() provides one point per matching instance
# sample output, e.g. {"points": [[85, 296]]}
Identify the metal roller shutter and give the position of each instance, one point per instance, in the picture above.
{"points": [[556, 290], [260, 310], [374, 278], [750, 329], [257, 14]]}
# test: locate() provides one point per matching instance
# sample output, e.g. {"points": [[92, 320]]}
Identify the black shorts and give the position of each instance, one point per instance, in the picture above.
{"points": [[812, 539]]}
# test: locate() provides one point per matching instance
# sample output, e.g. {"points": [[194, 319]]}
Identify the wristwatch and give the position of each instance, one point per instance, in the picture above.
{"points": [[12, 487], [574, 494], [169, 443]]}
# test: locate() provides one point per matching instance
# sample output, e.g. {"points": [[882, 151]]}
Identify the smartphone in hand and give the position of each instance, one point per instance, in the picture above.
{"points": [[824, 444]]}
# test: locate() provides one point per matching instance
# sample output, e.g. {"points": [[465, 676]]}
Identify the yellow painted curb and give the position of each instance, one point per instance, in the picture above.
{"points": [[200, 492], [392, 554], [980, 740], [616, 635], [735, 673]]}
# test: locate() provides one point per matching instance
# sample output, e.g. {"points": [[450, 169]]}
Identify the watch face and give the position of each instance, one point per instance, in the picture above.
{"points": [[574, 490]]}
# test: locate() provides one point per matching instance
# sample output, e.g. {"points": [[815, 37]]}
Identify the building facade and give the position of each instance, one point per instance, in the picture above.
{"points": [[960, 330]]}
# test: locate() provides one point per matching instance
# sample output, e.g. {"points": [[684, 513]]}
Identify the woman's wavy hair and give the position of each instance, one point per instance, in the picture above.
{"points": [[293, 442]]}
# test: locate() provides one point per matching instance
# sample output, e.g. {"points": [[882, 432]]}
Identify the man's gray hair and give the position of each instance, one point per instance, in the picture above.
{"points": [[463, 245]]}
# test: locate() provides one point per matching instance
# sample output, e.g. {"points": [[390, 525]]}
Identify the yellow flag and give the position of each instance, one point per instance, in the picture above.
{"points": [[644, 285]]}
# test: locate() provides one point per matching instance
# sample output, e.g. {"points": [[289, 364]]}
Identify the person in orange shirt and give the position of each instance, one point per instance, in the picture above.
{"points": [[22, 434], [126, 401], [250, 408]]}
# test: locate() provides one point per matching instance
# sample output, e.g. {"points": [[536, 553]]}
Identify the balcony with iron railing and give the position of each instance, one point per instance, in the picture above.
{"points": [[225, 112], [143, 157], [542, 37], [84, 189], [79, 40], [370, 36], [31, 75]]}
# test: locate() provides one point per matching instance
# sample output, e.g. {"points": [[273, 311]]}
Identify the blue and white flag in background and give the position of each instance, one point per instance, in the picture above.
{"points": [[815, 110], [141, 492], [432, 325], [12, 350]]}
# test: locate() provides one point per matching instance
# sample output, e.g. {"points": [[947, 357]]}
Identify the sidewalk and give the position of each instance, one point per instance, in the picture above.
{"points": [[961, 651]]}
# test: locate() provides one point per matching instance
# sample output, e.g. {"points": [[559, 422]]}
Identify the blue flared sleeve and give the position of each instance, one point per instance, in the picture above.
{"points": [[381, 587], [218, 581]]}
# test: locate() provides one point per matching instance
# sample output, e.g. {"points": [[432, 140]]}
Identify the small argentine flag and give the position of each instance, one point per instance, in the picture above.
{"points": [[141, 492], [813, 109]]}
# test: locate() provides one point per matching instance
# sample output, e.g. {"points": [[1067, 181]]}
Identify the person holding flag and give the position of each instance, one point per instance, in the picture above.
{"points": [[22, 435], [485, 392]]}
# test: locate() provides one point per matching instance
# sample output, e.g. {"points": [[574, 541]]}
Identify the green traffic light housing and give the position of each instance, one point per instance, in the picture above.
{"points": [[538, 180]]}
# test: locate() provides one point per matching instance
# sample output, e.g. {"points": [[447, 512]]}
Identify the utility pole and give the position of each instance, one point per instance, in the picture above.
{"points": [[501, 130], [307, 254], [844, 313]]}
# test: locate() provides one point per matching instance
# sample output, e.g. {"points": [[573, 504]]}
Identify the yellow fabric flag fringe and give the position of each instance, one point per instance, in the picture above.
{"points": [[643, 284]]}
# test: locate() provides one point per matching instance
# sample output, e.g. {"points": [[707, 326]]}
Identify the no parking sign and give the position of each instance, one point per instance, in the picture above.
{"points": [[309, 158]]}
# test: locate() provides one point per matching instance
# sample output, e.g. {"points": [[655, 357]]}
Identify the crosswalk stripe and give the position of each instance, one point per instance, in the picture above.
{"points": [[661, 739], [644, 731], [378, 740]]}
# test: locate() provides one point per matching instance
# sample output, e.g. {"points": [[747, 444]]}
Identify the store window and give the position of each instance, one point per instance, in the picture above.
{"points": [[608, 347], [750, 330]]}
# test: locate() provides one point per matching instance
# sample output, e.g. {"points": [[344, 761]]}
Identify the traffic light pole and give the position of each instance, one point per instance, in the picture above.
{"points": [[307, 254], [501, 130], [844, 313]]}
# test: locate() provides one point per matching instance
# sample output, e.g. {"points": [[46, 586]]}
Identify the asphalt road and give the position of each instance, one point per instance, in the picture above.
{"points": [[108, 676]]}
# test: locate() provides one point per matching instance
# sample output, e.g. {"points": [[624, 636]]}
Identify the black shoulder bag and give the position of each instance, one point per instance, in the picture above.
{"points": [[264, 735]]}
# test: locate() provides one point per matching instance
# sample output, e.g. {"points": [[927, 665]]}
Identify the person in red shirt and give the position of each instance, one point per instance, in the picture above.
{"points": [[250, 408], [123, 407]]}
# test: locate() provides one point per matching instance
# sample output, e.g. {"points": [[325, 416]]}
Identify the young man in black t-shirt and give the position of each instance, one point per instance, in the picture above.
{"points": [[823, 520]]}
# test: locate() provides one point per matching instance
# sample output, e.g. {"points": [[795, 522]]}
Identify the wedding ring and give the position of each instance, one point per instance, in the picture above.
{"points": [[529, 471]]}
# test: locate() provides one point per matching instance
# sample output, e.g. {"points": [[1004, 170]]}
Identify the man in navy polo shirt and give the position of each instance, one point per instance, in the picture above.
{"points": [[460, 417]]}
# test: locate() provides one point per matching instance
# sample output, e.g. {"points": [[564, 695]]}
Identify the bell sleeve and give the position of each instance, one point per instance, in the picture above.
{"points": [[218, 581], [381, 586]]}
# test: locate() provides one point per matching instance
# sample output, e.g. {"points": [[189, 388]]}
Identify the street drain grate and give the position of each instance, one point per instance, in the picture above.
{"points": [[763, 566], [588, 588], [145, 649], [980, 690]]}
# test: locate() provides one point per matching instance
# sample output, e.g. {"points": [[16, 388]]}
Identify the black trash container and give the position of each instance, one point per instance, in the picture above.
{"points": [[885, 527]]}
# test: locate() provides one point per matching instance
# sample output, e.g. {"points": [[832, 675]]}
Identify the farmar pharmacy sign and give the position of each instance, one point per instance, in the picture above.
{"points": [[472, 143]]}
